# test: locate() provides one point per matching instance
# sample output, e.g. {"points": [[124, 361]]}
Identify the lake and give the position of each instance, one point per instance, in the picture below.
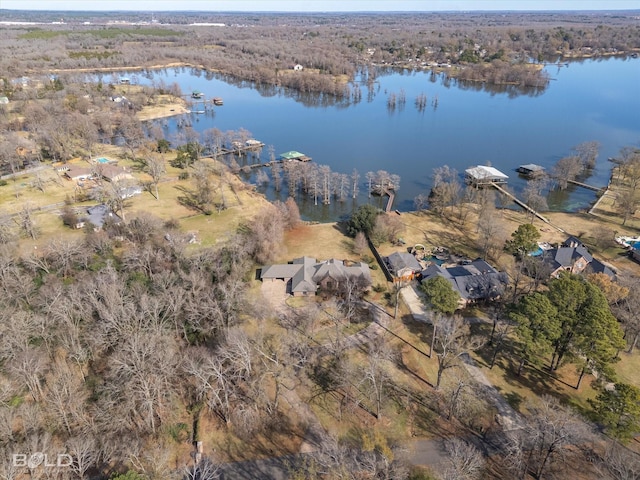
{"points": [[468, 125]]}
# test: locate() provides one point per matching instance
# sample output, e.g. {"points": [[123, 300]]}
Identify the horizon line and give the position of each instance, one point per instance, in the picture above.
{"points": [[328, 11]]}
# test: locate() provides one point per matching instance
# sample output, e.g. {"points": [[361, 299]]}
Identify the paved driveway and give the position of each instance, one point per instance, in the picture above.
{"points": [[275, 293]]}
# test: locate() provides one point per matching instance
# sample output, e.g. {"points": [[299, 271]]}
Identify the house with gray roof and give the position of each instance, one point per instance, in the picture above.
{"points": [[572, 256], [403, 266], [475, 281], [305, 276], [97, 216]]}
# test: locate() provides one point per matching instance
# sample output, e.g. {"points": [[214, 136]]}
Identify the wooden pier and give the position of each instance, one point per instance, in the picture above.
{"points": [[521, 203], [238, 149], [586, 185], [392, 196]]}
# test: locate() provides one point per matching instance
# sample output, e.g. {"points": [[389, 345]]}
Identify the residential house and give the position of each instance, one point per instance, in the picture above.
{"points": [[572, 256], [305, 276], [475, 281], [98, 215], [403, 266], [113, 173], [77, 173]]}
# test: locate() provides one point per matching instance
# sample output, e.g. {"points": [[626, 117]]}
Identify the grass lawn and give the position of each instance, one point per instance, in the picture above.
{"points": [[322, 241], [534, 382], [628, 367]]}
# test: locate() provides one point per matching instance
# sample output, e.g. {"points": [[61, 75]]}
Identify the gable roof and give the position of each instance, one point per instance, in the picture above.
{"points": [[475, 281], [331, 268], [302, 281], [305, 273], [400, 260], [570, 252], [99, 214], [291, 155], [483, 172]]}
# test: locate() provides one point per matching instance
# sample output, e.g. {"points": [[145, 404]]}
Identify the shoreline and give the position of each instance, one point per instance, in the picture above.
{"points": [[155, 112]]}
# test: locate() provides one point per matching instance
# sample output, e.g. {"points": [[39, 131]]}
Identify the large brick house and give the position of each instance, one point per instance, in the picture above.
{"points": [[305, 276]]}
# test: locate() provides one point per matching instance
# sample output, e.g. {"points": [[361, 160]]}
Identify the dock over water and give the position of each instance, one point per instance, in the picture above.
{"points": [[521, 203]]}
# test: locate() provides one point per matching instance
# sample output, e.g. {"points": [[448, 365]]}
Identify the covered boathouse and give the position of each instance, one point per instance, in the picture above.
{"points": [[483, 175]]}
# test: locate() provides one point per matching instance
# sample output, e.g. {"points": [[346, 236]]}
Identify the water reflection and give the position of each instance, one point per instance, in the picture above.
{"points": [[512, 91], [473, 124]]}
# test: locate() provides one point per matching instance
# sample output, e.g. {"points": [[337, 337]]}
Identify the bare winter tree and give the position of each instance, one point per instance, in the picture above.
{"points": [[464, 460], [587, 153], [355, 177], [446, 189], [549, 429], [619, 463], [567, 168], [155, 167], [205, 469], [452, 342], [375, 374], [26, 221], [533, 196]]}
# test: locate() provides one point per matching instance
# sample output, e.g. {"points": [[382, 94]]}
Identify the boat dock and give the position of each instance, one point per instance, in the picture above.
{"points": [[238, 148], [586, 185], [520, 203], [392, 196]]}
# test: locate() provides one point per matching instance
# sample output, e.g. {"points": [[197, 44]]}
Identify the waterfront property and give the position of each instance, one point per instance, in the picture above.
{"points": [[475, 281], [403, 266], [305, 276], [572, 256], [484, 175]]}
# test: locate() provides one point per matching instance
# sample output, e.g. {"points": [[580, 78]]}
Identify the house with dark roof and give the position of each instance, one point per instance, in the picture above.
{"points": [[474, 281], [305, 276], [572, 256], [403, 266], [97, 216]]}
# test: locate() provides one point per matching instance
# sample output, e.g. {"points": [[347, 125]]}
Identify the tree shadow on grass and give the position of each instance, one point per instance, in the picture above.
{"points": [[422, 330], [189, 200]]}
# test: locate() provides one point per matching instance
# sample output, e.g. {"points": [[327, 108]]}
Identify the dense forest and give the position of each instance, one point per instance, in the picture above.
{"points": [[496, 48]]}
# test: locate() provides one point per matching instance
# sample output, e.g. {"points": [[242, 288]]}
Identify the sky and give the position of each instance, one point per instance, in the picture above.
{"points": [[318, 5]]}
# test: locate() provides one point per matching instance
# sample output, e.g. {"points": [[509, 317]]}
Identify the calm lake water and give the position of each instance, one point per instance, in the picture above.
{"points": [[471, 125]]}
